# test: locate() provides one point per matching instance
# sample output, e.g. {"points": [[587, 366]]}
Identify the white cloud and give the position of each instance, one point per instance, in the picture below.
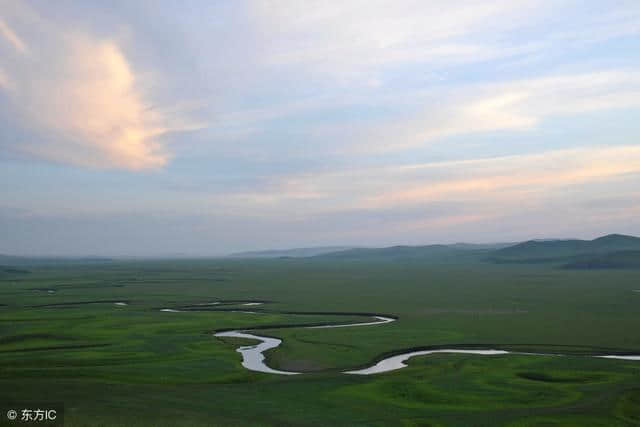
{"points": [[349, 38], [353, 40], [517, 106]]}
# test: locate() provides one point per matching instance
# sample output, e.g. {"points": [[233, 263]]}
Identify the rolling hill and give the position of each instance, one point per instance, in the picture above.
{"points": [[427, 252], [289, 253], [536, 251]]}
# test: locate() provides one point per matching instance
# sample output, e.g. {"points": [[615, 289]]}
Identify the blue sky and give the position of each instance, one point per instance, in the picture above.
{"points": [[207, 127]]}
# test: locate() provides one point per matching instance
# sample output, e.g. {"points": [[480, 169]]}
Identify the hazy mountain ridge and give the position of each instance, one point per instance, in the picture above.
{"points": [[536, 251], [439, 251], [388, 252], [610, 251], [16, 260], [290, 253]]}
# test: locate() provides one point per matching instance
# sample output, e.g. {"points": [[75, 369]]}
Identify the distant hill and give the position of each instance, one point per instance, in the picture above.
{"points": [[289, 253], [537, 251], [619, 259], [14, 260], [427, 252], [471, 246], [389, 252], [392, 252]]}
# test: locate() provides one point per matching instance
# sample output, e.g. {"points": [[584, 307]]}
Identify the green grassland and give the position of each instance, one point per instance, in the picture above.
{"points": [[134, 365]]}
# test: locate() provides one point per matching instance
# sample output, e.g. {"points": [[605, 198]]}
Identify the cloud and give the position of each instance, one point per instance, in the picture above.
{"points": [[4, 81], [321, 114], [12, 38], [354, 41], [78, 95], [511, 181], [514, 176], [348, 36], [417, 119], [518, 195], [517, 105]]}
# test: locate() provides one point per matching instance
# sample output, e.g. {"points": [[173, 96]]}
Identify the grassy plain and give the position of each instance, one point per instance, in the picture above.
{"points": [[134, 365]]}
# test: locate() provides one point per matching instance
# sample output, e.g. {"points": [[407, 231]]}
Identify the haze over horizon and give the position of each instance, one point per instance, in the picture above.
{"points": [[145, 128]]}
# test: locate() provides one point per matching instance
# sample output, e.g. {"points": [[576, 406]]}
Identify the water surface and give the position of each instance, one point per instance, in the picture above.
{"points": [[397, 362], [252, 357]]}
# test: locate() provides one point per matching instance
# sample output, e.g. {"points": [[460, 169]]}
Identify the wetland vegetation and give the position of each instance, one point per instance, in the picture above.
{"points": [[101, 344]]}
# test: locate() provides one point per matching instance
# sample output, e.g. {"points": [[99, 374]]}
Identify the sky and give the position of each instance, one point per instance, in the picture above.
{"points": [[147, 128]]}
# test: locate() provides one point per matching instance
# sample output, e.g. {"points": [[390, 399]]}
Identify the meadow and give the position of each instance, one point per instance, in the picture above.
{"points": [[64, 339]]}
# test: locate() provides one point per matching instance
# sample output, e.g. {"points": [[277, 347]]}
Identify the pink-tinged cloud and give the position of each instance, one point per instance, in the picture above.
{"points": [[509, 182], [98, 105], [510, 178], [4, 81], [79, 96], [12, 38]]}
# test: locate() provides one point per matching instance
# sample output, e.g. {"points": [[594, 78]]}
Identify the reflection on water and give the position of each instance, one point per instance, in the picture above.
{"points": [[396, 362], [380, 321], [252, 357], [621, 357]]}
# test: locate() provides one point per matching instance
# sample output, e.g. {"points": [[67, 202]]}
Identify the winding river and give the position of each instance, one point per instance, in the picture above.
{"points": [[396, 362], [253, 357]]}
